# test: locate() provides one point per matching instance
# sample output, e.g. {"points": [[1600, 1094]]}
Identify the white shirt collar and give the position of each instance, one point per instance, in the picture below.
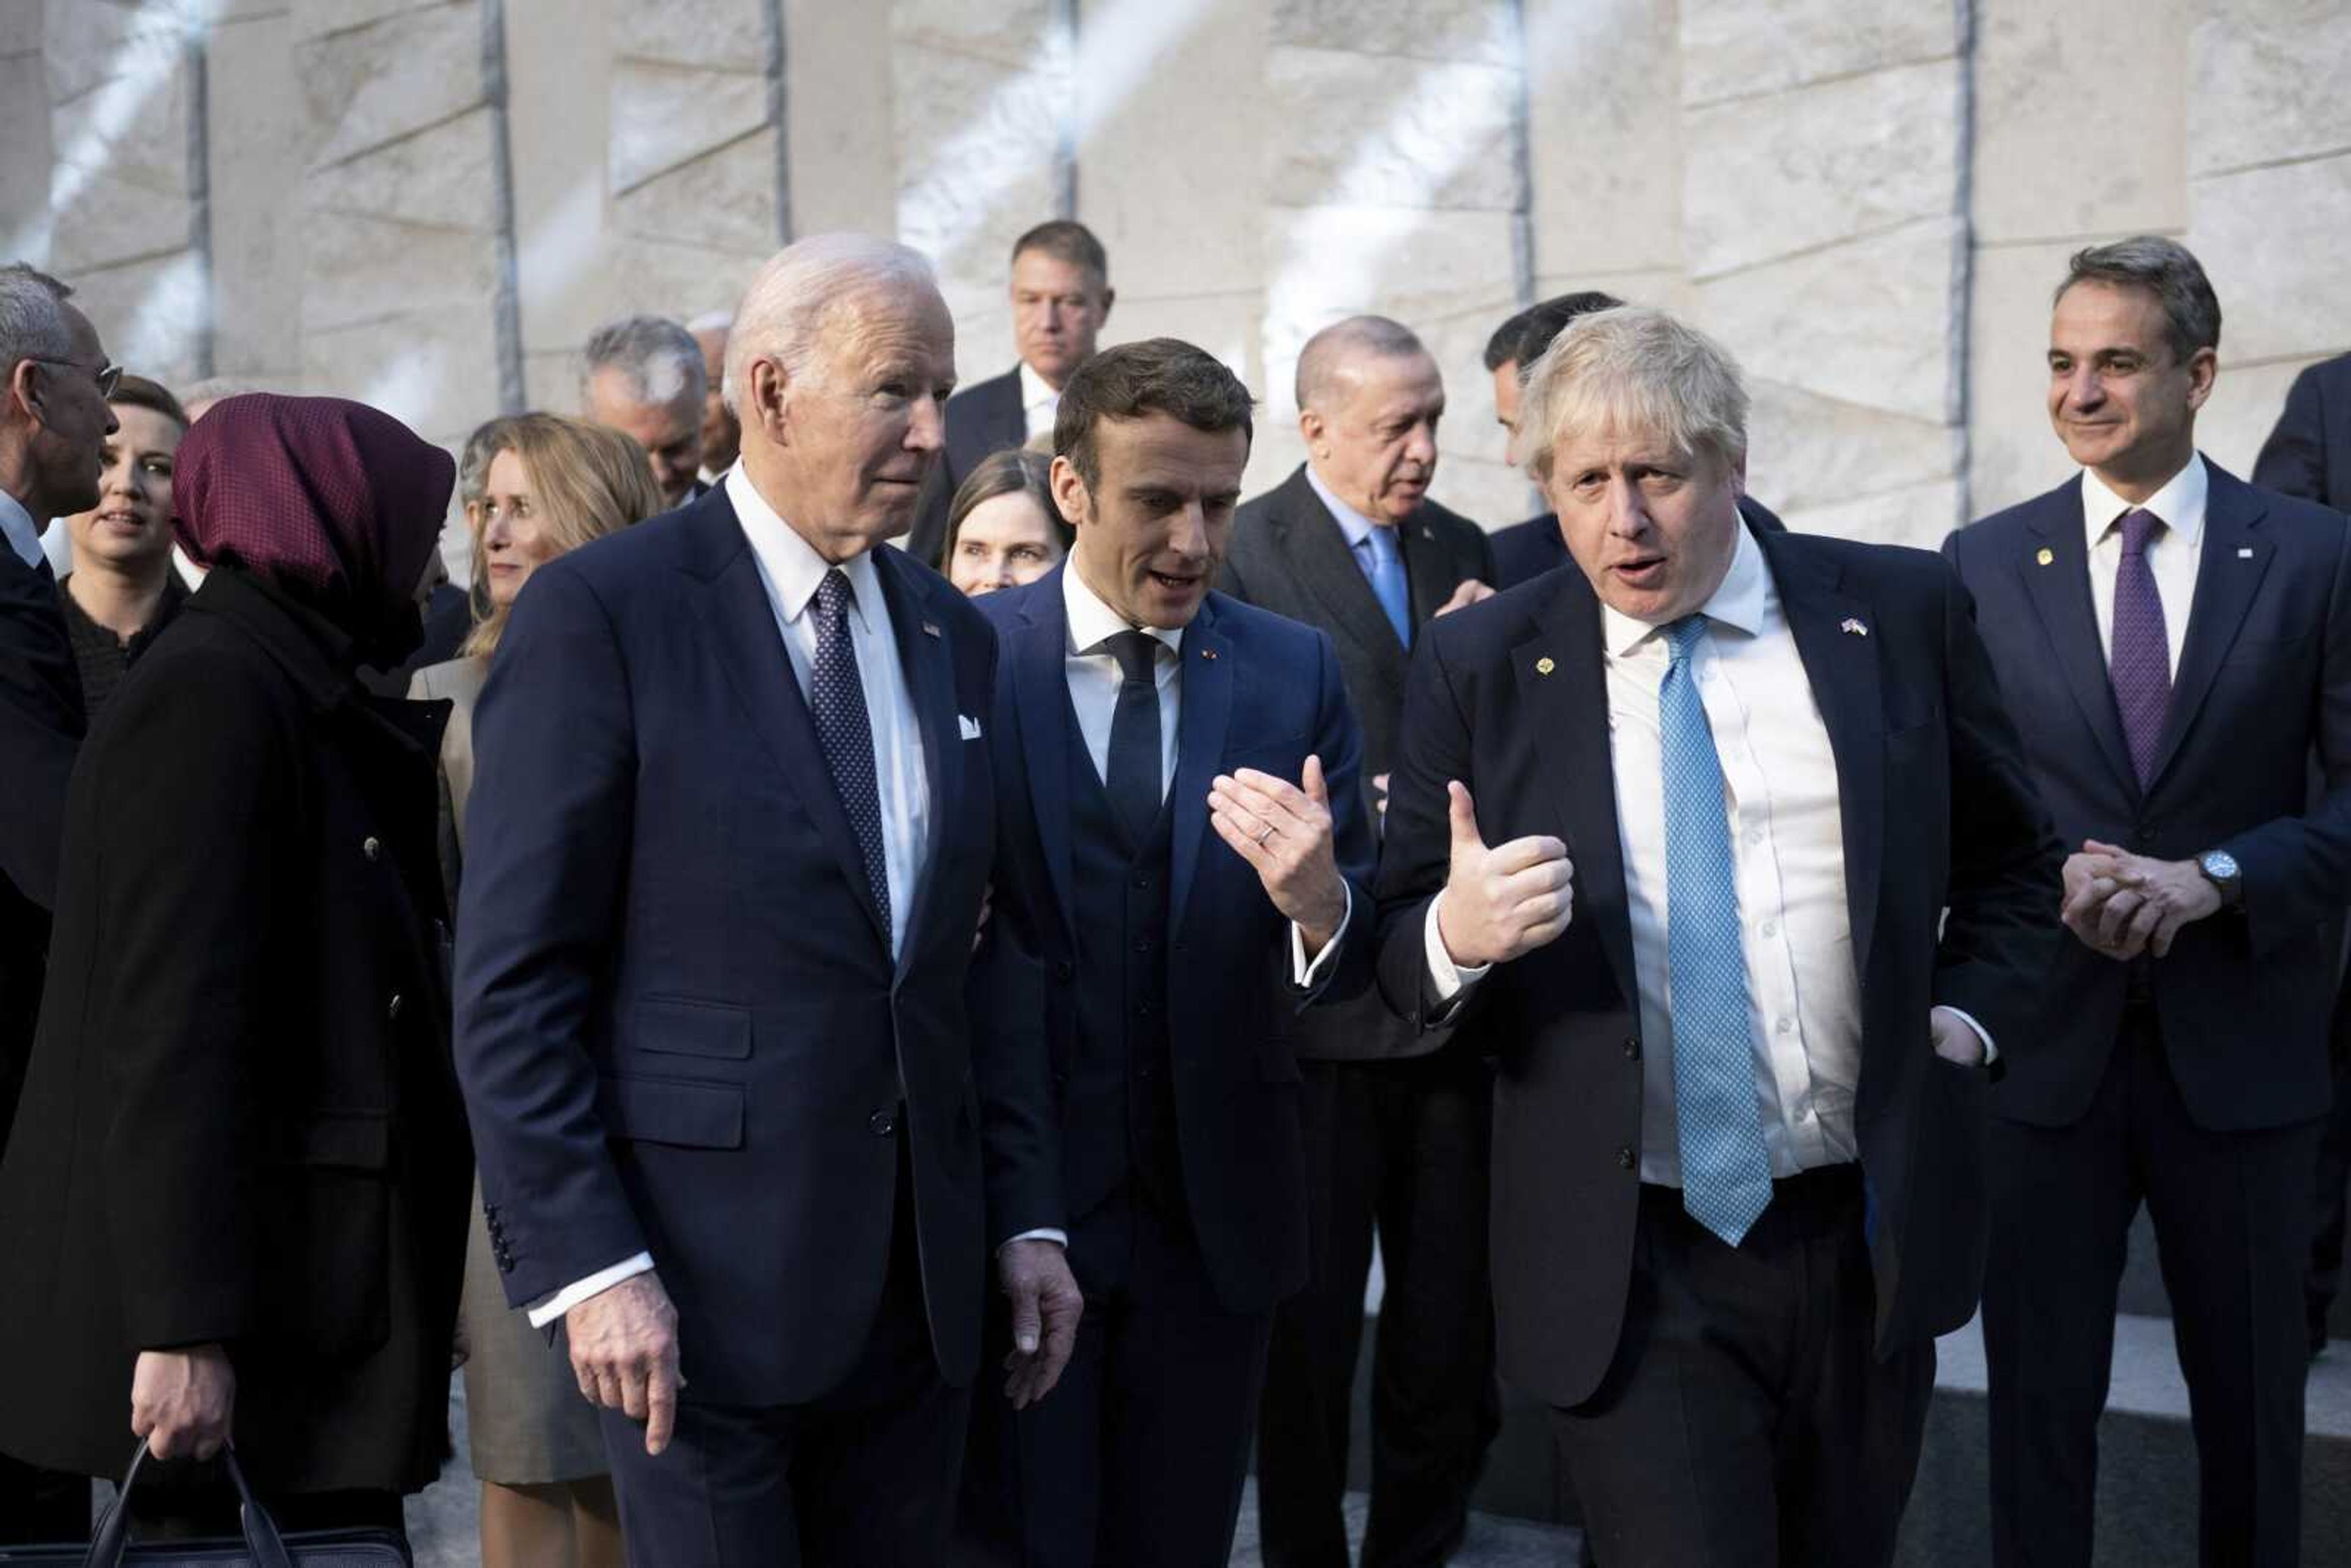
{"points": [[1352, 523], [23, 533], [1092, 622], [789, 563], [2180, 503], [1034, 392], [1739, 603]]}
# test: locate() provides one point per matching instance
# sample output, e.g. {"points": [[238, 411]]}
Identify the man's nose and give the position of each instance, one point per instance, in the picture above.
{"points": [[1420, 446], [928, 431], [1628, 514]]}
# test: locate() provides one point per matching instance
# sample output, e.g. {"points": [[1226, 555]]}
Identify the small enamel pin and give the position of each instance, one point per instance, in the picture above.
{"points": [[1854, 627], [1543, 667], [1208, 653], [2047, 556], [2244, 552], [929, 630]]}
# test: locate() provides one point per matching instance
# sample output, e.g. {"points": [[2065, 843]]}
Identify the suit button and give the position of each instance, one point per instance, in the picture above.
{"points": [[391, 1008], [371, 847], [1143, 881], [1625, 1159], [1633, 1049], [1143, 944], [2146, 834], [1064, 971], [506, 1264], [882, 1124]]}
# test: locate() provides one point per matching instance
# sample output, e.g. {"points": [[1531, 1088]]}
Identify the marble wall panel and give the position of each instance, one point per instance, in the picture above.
{"points": [[558, 139], [717, 35], [21, 28], [253, 146], [2267, 82], [1480, 30], [2271, 239], [111, 220], [369, 85], [321, 18], [1737, 49], [838, 96], [1921, 516], [25, 157], [440, 177], [88, 43], [1606, 164], [146, 312], [2013, 453], [433, 380], [2243, 409], [1806, 452], [1430, 134], [663, 117], [723, 200]]}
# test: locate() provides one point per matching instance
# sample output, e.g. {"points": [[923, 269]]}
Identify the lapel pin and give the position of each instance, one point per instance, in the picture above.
{"points": [[2047, 556], [929, 630], [1543, 667], [1208, 653], [1853, 626], [2244, 552]]}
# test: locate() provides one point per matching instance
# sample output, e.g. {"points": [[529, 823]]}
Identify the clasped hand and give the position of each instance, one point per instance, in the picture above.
{"points": [[1284, 832], [2122, 904]]}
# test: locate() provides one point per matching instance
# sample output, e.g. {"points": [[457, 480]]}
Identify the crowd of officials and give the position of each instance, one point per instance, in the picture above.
{"points": [[900, 1056]]}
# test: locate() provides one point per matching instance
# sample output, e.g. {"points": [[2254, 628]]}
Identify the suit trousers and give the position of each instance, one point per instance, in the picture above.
{"points": [[863, 1477], [2232, 1215], [2324, 1281], [1746, 1421], [1403, 1148]]}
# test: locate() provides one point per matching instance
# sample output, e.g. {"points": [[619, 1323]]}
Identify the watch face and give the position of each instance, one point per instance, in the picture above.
{"points": [[2220, 865]]}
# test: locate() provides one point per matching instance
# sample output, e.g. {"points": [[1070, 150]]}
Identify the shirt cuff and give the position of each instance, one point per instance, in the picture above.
{"points": [[1447, 979], [1991, 1051], [595, 1285], [1303, 974], [1058, 1237]]}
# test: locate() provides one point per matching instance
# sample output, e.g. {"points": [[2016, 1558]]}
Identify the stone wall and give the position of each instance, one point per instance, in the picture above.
{"points": [[430, 203]]}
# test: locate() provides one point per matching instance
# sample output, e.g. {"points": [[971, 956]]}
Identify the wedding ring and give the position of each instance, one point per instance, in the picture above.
{"points": [[1264, 835]]}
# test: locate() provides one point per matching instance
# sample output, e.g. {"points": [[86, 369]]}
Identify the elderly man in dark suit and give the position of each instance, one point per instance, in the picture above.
{"points": [[1396, 1124], [1061, 295], [1743, 1033], [730, 831], [2177, 647], [1189, 862]]}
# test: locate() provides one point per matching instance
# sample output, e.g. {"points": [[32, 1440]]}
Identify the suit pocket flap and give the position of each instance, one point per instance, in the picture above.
{"points": [[672, 1111], [693, 1029], [351, 1140]]}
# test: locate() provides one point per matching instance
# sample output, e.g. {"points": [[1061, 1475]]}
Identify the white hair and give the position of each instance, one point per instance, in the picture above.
{"points": [[784, 312]]}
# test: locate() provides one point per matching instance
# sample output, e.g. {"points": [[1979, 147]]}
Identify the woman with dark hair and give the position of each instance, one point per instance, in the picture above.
{"points": [[234, 1204], [1003, 528], [122, 590]]}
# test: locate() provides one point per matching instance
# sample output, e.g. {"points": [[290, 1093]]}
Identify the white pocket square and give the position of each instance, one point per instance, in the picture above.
{"points": [[968, 725]]}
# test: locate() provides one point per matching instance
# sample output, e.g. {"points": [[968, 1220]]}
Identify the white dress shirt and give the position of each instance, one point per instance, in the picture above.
{"points": [[24, 535], [790, 571], [1787, 842], [2173, 552], [1039, 403]]}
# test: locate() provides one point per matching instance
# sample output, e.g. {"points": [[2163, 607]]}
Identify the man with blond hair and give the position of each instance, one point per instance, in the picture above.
{"points": [[1742, 1051]]}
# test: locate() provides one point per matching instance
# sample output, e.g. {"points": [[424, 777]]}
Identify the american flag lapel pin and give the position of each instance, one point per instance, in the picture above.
{"points": [[1208, 653], [1852, 626], [930, 630]]}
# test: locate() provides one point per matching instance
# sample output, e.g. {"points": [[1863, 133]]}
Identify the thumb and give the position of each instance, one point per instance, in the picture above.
{"points": [[1310, 780], [1026, 1327], [1464, 812]]}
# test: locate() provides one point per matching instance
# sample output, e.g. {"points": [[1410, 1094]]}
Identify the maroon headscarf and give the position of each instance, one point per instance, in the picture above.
{"points": [[336, 500]]}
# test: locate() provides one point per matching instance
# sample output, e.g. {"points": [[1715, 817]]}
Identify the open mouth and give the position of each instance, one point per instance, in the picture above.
{"points": [[1171, 583], [1646, 572]]}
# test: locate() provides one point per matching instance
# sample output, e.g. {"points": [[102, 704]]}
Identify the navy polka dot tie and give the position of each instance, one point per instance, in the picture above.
{"points": [[836, 702]]}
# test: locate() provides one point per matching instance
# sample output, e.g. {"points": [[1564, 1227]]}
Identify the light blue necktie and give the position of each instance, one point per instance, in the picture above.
{"points": [[1726, 1172], [1385, 569]]}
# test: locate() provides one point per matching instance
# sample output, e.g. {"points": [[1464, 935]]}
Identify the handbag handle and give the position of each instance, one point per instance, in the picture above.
{"points": [[108, 1541]]}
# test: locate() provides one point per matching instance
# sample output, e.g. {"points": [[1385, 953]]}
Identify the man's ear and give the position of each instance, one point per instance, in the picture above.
{"points": [[24, 391], [767, 389], [1310, 426], [2204, 369], [1070, 494], [1739, 476], [1110, 297]]}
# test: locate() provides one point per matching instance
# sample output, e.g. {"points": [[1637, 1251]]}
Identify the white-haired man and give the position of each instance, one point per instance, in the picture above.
{"points": [[1741, 1081], [643, 376], [734, 820]]}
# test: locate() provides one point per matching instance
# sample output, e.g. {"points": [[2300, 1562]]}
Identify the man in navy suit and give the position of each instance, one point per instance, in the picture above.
{"points": [[1189, 858], [733, 820], [1743, 1035], [2176, 646], [1060, 297]]}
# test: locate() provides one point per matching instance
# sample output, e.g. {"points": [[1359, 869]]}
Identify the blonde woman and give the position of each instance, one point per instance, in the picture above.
{"points": [[546, 486]]}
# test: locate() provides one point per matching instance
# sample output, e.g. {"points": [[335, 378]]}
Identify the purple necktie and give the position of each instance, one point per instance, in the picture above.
{"points": [[2139, 664]]}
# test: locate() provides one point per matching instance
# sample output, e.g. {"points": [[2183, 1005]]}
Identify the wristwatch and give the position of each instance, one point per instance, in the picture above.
{"points": [[2220, 868]]}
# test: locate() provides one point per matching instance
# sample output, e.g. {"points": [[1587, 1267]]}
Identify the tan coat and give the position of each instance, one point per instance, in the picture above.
{"points": [[460, 682]]}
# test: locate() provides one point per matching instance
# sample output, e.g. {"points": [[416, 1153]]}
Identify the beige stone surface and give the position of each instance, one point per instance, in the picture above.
{"points": [[1806, 452], [680, 280], [24, 156], [2013, 453], [1371, 130], [440, 177], [1604, 147], [21, 28], [2043, 169], [1478, 30], [111, 220], [256, 156], [325, 18], [146, 312], [438, 279], [1006, 32], [2271, 240], [559, 120], [2267, 81], [89, 42], [1773, 177], [725, 34], [725, 200], [1921, 516], [663, 117], [1738, 48], [442, 384], [844, 171], [2243, 409], [375, 84]]}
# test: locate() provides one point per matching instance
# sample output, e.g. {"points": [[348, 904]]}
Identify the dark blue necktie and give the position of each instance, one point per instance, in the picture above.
{"points": [[2139, 664], [836, 702], [1132, 779]]}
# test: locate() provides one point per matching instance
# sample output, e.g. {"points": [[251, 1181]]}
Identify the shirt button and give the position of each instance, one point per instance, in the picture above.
{"points": [[1787, 1026], [1633, 1049], [882, 1124], [371, 847], [1754, 837], [1770, 928]]}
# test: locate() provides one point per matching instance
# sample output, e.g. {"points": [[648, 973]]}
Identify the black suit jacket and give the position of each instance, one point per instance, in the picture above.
{"points": [[1259, 692], [2309, 453], [241, 1124], [1510, 696], [982, 420], [2263, 684], [1524, 551], [1288, 556], [680, 1025]]}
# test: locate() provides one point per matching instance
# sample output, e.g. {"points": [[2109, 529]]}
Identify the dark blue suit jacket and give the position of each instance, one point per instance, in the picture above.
{"points": [[2263, 684], [1259, 692], [2309, 453], [1949, 867], [679, 1024]]}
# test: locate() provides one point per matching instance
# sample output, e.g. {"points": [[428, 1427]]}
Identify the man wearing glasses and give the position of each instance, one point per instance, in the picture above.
{"points": [[54, 421]]}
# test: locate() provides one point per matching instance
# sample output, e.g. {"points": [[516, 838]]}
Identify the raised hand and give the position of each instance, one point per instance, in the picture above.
{"points": [[1283, 831], [1504, 901]]}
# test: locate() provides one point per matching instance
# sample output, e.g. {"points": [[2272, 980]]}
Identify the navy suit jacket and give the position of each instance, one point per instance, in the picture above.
{"points": [[982, 420], [679, 1024], [1524, 551], [2263, 684], [1259, 692], [2309, 453], [1510, 697], [40, 735]]}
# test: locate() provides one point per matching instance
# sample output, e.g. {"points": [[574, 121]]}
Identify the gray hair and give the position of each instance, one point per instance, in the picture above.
{"points": [[657, 358], [1328, 354], [2166, 268], [1635, 367], [784, 312], [32, 317]]}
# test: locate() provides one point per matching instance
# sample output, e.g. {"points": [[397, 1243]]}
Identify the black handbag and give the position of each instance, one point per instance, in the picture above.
{"points": [[261, 1546]]}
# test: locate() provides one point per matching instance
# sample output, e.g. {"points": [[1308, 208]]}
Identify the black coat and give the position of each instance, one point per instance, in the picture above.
{"points": [[40, 730], [2309, 453], [240, 1123], [982, 421]]}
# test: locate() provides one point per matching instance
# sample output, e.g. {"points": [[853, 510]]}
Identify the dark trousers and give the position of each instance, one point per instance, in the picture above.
{"points": [[2232, 1215], [2323, 1280], [863, 1477], [40, 1506], [1746, 1419], [1403, 1148], [1136, 1459]]}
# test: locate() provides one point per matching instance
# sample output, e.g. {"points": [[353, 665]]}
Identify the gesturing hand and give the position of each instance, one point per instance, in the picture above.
{"points": [[624, 1352], [1283, 831], [1504, 901], [182, 1401], [1046, 1306], [1470, 593], [2122, 904]]}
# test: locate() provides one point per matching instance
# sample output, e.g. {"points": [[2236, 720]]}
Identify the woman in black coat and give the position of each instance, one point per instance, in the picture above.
{"points": [[232, 1206]]}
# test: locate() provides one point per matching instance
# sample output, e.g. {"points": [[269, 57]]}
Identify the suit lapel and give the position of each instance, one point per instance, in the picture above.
{"points": [[2060, 591], [1328, 570], [2228, 573], [1837, 637], [924, 655], [1208, 708], [1040, 684], [1427, 566]]}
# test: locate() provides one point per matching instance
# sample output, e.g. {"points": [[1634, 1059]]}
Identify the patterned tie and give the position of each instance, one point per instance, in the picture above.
{"points": [[1131, 780], [1384, 566], [836, 702], [2139, 664], [1726, 1172]]}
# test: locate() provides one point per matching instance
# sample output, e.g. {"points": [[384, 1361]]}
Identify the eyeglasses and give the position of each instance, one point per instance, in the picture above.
{"points": [[108, 376]]}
